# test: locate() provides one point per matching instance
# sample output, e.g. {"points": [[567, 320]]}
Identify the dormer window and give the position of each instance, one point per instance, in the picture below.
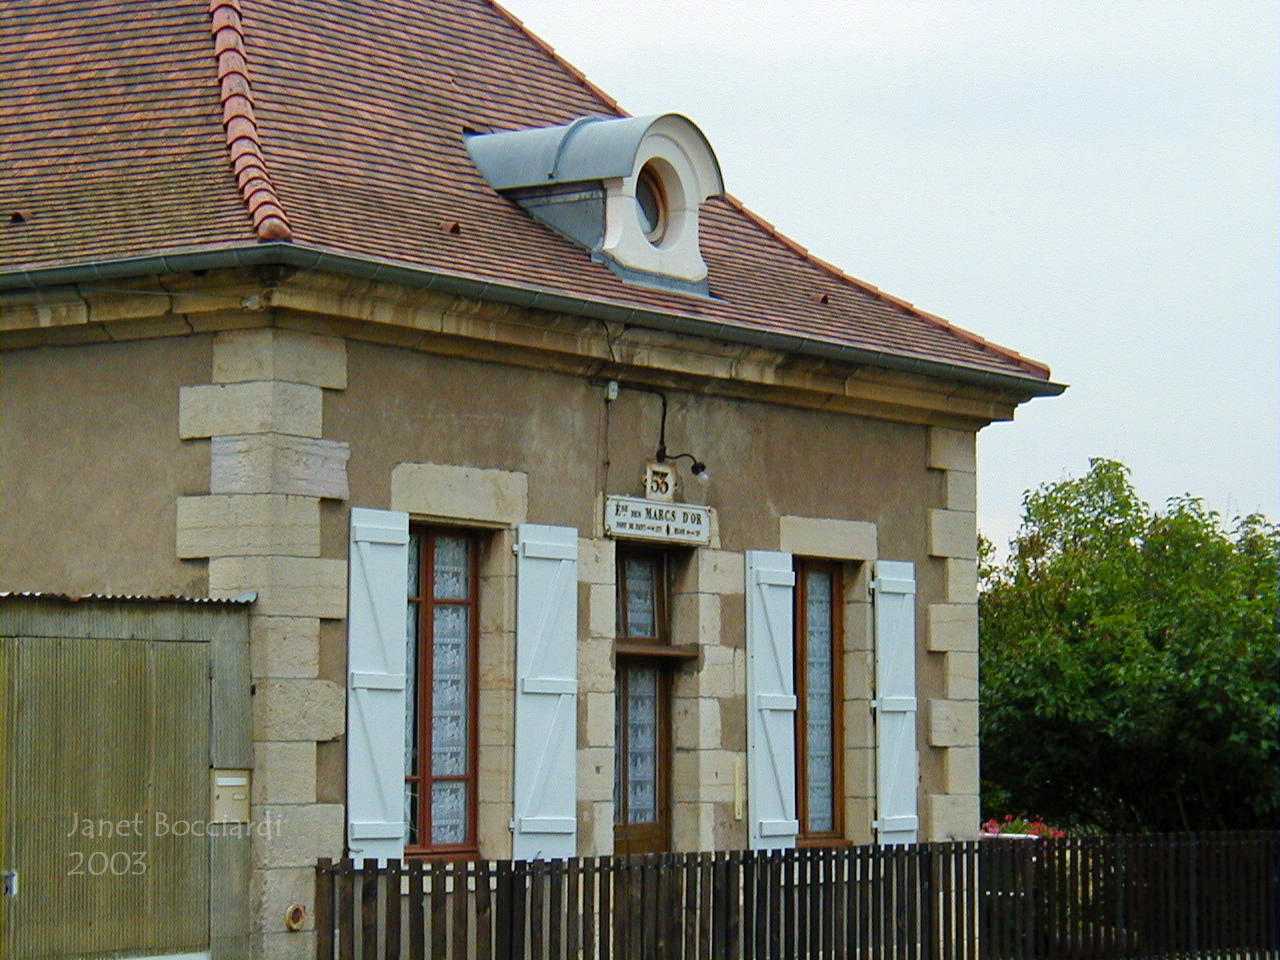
{"points": [[651, 205], [627, 190]]}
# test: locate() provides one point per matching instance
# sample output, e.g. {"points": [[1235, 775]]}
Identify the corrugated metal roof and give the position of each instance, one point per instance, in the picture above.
{"points": [[243, 600]]}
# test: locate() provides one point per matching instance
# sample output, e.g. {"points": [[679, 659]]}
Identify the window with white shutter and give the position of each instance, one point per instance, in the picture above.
{"points": [[897, 760], [771, 701], [376, 645]]}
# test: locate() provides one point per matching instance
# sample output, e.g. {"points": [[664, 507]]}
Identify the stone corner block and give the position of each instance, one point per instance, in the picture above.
{"points": [[953, 723], [953, 626], [961, 580], [284, 646], [259, 407], [961, 675], [961, 770], [276, 463], [832, 539], [720, 571], [961, 488], [298, 710], [284, 772], [952, 449], [596, 561], [286, 586], [953, 816], [447, 492], [251, 525], [296, 835], [270, 353], [953, 533]]}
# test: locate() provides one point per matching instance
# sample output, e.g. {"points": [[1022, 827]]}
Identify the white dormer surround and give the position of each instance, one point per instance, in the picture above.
{"points": [[628, 190]]}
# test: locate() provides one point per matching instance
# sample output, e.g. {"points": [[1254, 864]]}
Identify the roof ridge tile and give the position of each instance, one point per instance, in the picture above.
{"points": [[244, 147]]}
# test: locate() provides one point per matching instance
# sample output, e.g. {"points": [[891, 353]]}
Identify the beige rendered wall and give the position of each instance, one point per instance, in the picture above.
{"points": [[241, 453], [92, 466]]}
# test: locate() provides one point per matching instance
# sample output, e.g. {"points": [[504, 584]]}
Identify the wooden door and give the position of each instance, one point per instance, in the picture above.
{"points": [[642, 769]]}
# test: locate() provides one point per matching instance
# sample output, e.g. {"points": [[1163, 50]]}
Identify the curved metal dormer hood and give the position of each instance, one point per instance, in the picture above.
{"points": [[628, 190]]}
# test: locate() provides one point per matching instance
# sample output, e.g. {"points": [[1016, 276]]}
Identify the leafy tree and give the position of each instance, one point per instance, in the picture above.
{"points": [[1129, 668]]}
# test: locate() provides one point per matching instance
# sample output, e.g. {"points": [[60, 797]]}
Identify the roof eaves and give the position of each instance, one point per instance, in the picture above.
{"points": [[379, 269], [241, 125]]}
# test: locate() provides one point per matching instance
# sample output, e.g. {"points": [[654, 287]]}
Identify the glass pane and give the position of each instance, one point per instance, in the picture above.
{"points": [[449, 691], [640, 619], [411, 719], [618, 776], [411, 692], [819, 701], [641, 766], [452, 568], [415, 565], [448, 813]]}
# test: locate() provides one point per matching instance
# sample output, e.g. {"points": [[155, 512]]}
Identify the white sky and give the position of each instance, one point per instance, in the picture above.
{"points": [[1090, 182]]}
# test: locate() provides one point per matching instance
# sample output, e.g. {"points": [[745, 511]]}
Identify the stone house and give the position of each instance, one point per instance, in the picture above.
{"points": [[581, 510]]}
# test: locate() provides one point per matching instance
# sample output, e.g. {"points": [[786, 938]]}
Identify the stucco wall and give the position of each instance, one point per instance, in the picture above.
{"points": [[92, 466]]}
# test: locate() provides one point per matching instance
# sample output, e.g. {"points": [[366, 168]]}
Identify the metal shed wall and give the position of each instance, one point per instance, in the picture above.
{"points": [[112, 714]]}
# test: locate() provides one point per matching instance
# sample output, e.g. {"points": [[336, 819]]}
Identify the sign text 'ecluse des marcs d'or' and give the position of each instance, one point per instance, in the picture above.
{"points": [[638, 519]]}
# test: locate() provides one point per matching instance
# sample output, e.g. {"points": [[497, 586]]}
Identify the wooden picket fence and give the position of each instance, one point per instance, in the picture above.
{"points": [[1191, 895]]}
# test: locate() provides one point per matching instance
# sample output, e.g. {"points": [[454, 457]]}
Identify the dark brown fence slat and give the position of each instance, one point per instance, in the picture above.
{"points": [[572, 908], [502, 921], [417, 928], [555, 909], [537, 890], [346, 910], [706, 864], [484, 911], [519, 894], [605, 874], [460, 908], [438, 907], [589, 921], [324, 909], [369, 909], [689, 868], [391, 910]]}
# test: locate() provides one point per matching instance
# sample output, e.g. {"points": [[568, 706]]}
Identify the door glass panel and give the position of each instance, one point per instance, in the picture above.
{"points": [[818, 706], [448, 812], [449, 694], [642, 745]]}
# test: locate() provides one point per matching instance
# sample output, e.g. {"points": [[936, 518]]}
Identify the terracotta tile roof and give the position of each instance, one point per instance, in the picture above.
{"points": [[347, 130]]}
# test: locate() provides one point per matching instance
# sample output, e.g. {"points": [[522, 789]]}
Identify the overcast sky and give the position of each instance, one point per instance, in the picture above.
{"points": [[1090, 182]]}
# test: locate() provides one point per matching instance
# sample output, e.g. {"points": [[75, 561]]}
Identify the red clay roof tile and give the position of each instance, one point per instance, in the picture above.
{"points": [[151, 126]]}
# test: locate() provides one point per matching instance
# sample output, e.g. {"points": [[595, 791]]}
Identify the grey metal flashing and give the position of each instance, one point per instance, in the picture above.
{"points": [[587, 148], [379, 269]]}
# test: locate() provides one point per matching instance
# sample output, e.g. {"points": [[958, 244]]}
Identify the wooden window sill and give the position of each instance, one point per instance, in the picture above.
{"points": [[686, 651]]}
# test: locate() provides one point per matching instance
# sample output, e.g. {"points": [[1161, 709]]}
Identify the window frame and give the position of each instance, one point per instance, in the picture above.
{"points": [[803, 566], [427, 535], [656, 652]]}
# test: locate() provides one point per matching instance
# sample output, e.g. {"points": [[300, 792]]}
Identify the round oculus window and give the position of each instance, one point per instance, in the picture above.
{"points": [[650, 205]]}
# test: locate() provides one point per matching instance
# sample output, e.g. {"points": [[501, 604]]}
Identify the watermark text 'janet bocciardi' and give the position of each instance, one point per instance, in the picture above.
{"points": [[158, 823]]}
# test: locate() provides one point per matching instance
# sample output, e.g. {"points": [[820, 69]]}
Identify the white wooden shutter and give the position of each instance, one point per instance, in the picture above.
{"points": [[771, 701], [376, 646], [546, 818], [897, 761]]}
